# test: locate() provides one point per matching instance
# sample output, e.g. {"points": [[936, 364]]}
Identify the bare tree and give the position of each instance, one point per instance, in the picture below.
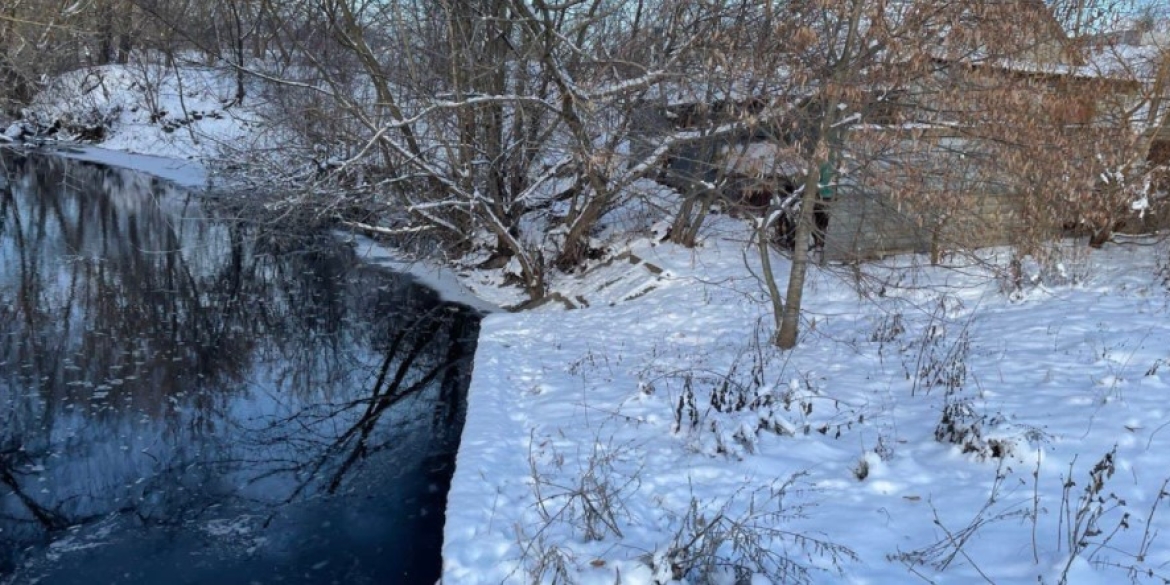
{"points": [[508, 130], [840, 65], [938, 106]]}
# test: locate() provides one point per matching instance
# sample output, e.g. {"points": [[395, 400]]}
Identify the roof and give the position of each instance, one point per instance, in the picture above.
{"points": [[761, 159], [1130, 54], [1025, 30]]}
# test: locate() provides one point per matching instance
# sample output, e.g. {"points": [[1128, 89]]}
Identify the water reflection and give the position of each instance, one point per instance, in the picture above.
{"points": [[166, 372]]}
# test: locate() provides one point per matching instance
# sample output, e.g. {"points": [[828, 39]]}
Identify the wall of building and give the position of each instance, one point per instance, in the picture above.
{"points": [[868, 224]]}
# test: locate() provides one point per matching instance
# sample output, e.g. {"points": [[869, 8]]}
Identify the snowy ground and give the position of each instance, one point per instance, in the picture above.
{"points": [[161, 122], [653, 436], [186, 113], [648, 433]]}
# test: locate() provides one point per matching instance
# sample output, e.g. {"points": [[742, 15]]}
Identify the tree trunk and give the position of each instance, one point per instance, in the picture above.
{"points": [[764, 250], [790, 323], [695, 208]]}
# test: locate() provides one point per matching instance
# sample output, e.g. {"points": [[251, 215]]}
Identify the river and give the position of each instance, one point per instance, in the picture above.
{"points": [[187, 397]]}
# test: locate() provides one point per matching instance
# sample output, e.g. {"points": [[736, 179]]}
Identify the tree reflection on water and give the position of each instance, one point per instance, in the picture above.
{"points": [[159, 365]]}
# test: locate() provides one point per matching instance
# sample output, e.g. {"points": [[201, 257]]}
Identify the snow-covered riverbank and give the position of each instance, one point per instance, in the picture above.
{"points": [[183, 127], [182, 172], [929, 427]]}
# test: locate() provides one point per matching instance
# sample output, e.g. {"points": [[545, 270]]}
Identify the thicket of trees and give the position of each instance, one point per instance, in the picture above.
{"points": [[527, 120]]}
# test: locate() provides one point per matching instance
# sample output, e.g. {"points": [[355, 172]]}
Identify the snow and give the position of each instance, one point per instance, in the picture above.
{"points": [[185, 173], [593, 451], [441, 279], [170, 123], [567, 407], [180, 113], [1137, 59], [760, 159]]}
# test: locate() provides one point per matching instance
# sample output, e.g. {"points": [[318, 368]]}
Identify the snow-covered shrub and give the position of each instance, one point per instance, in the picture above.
{"points": [[961, 425], [941, 554], [941, 365], [546, 562], [723, 413], [932, 361], [91, 123], [1056, 264], [889, 329], [709, 406], [80, 105], [1090, 522], [592, 500], [744, 537]]}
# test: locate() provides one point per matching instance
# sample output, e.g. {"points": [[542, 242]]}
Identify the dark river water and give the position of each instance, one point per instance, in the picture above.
{"points": [[187, 398]]}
